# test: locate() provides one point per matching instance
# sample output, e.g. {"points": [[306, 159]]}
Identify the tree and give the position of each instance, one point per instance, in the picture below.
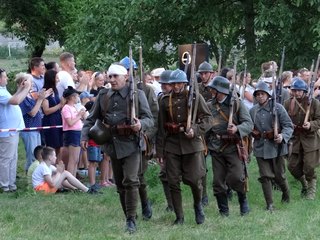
{"points": [[37, 22]]}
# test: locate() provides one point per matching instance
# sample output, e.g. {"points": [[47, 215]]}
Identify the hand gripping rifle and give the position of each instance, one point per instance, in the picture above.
{"points": [[132, 90], [311, 89], [191, 87], [279, 80]]}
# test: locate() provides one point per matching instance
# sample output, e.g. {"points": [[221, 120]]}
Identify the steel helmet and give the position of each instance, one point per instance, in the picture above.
{"points": [[126, 63], [178, 76], [220, 84], [299, 84], [205, 67], [262, 86], [165, 76]]}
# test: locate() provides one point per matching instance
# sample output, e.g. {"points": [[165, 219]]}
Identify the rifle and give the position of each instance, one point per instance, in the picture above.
{"points": [[219, 64], [132, 90], [274, 101], [191, 87], [139, 85], [243, 81], [311, 89], [234, 95], [279, 80]]}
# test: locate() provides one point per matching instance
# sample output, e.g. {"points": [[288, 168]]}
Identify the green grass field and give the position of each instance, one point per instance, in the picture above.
{"points": [[26, 215]]}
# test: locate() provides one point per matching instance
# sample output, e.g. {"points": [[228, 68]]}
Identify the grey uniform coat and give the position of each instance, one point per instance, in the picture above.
{"points": [[262, 118], [115, 106]]}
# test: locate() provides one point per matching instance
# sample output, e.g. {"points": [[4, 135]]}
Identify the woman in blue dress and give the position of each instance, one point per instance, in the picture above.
{"points": [[51, 107]]}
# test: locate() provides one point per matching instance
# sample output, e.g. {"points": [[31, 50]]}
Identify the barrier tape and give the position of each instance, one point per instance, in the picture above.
{"points": [[28, 129]]}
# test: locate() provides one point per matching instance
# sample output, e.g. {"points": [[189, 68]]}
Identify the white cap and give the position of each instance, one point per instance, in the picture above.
{"points": [[117, 69], [157, 72], [267, 80]]}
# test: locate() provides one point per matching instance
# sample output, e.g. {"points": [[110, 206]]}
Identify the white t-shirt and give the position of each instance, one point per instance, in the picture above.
{"points": [[65, 80], [41, 171]]}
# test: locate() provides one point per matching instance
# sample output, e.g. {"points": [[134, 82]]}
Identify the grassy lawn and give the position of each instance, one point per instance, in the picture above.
{"points": [[26, 215]]}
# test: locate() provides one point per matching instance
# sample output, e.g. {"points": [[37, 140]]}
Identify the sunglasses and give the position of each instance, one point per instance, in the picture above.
{"points": [[114, 75]]}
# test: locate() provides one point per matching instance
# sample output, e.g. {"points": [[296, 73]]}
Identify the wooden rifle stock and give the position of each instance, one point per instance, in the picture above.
{"points": [[274, 101], [191, 87], [132, 90], [311, 89]]}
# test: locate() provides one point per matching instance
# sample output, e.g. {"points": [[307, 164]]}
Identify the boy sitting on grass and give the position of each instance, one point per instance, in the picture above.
{"points": [[38, 158], [48, 178]]}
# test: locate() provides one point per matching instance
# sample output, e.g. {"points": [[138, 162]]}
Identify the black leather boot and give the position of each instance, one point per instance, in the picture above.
{"points": [[199, 214], [244, 206], [222, 201]]}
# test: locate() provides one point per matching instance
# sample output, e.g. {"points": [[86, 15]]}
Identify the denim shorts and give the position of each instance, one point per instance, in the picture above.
{"points": [[94, 154], [71, 138]]}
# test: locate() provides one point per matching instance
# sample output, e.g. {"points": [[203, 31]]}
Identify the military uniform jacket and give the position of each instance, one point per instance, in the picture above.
{"points": [[205, 92], [115, 106], [262, 118], [241, 119], [179, 143], [309, 139], [154, 108]]}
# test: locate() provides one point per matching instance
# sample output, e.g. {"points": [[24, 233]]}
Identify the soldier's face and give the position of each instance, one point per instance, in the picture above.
{"points": [[166, 88], [178, 87], [117, 81], [261, 97], [205, 76], [297, 93]]}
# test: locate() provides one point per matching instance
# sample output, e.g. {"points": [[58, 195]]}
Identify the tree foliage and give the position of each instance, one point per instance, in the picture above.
{"points": [[37, 22]]}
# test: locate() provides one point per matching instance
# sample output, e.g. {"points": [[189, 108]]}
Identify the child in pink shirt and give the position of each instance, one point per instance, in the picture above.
{"points": [[72, 126]]}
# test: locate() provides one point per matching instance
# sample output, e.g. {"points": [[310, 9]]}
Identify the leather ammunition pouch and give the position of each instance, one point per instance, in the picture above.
{"points": [[123, 130], [266, 135], [174, 128], [227, 138], [298, 130]]}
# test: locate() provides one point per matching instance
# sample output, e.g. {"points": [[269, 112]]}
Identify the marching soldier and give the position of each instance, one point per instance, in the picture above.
{"points": [[183, 149], [227, 166], [123, 142], [149, 139], [206, 74], [268, 149], [166, 89], [306, 141]]}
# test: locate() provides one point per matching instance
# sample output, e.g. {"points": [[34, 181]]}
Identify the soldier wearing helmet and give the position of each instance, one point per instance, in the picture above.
{"points": [[305, 141], [123, 145], [206, 73], [182, 148], [222, 140], [270, 150]]}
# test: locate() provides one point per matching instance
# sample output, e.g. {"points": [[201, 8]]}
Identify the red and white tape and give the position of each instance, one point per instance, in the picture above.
{"points": [[28, 129]]}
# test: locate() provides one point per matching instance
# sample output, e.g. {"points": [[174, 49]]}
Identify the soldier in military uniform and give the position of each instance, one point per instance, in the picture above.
{"points": [[206, 73], [222, 144], [166, 89], [268, 149], [149, 140], [306, 141], [123, 144], [183, 148]]}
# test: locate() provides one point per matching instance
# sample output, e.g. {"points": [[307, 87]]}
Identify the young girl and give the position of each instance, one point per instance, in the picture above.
{"points": [[49, 179], [72, 125]]}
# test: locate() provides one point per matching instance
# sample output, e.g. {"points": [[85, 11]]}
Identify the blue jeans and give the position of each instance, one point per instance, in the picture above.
{"points": [[30, 139]]}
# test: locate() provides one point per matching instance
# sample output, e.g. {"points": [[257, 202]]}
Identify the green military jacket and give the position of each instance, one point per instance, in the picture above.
{"points": [[309, 140], [112, 107], [205, 92], [241, 118], [179, 143], [263, 121]]}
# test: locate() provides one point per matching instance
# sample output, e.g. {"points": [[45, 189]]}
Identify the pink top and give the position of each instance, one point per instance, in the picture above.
{"points": [[70, 112]]}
